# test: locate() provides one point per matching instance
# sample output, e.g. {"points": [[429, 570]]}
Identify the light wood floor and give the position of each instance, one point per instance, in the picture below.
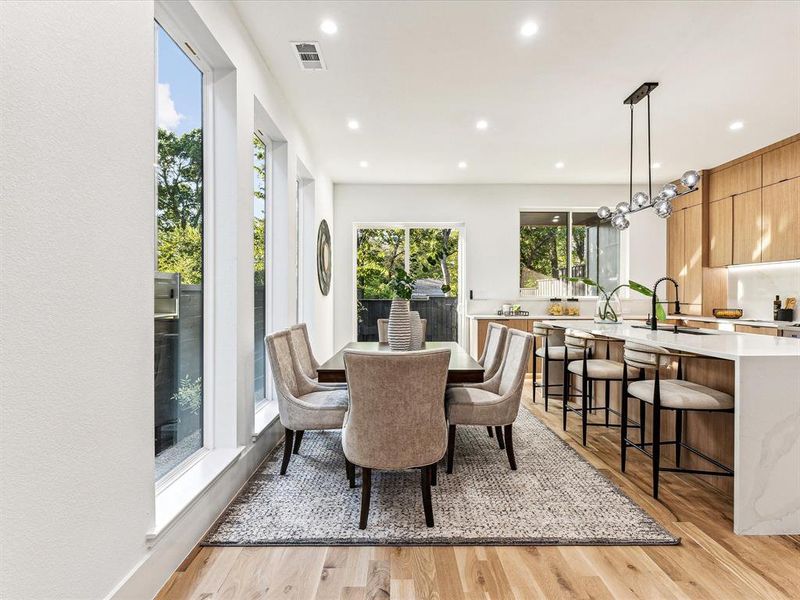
{"points": [[711, 561]]}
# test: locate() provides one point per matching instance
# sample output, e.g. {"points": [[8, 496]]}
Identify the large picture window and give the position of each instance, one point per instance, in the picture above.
{"points": [[260, 178], [178, 428], [558, 245]]}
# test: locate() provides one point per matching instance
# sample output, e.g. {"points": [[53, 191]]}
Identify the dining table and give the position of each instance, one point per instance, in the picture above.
{"points": [[462, 368]]}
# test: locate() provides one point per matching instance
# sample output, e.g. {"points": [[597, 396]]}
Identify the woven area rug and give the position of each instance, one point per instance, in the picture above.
{"points": [[555, 497]]}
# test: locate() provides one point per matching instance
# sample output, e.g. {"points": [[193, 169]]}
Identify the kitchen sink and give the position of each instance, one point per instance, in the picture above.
{"points": [[674, 329]]}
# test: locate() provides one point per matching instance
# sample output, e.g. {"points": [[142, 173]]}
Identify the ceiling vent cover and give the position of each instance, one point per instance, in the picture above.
{"points": [[309, 55]]}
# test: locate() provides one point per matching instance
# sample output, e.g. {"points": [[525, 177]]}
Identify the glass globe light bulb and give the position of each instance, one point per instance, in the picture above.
{"points": [[664, 209], [619, 221], [623, 208], [603, 212], [669, 191], [640, 199], [690, 179]]}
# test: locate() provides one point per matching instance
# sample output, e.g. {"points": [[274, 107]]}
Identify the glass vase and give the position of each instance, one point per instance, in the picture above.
{"points": [[609, 310]]}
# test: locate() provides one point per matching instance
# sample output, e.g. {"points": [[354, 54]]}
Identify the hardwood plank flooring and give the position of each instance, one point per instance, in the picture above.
{"points": [[711, 561]]}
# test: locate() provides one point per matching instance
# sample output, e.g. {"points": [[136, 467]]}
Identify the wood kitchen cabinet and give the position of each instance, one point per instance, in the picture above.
{"points": [[737, 179], [747, 228], [675, 254], [781, 164], [685, 257], [780, 205], [720, 232]]}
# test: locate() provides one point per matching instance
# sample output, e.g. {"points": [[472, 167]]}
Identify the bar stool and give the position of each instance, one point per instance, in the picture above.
{"points": [[670, 394], [591, 370], [551, 350]]}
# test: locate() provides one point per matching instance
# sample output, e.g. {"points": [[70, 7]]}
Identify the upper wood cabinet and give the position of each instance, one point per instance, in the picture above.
{"points": [[781, 164], [720, 233], [693, 255], [781, 221], [737, 179], [747, 228], [676, 265]]}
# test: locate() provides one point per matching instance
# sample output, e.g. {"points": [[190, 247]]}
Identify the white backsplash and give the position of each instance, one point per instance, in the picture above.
{"points": [[753, 288]]}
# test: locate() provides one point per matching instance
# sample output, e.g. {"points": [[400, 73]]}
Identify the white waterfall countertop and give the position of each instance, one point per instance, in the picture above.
{"points": [[766, 445], [706, 342]]}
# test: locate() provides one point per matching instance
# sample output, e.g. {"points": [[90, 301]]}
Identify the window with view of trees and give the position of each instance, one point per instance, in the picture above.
{"points": [[557, 246], [260, 162], [429, 255], [179, 262]]}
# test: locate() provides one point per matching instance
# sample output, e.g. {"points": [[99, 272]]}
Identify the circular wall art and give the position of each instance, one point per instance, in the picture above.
{"points": [[324, 257]]}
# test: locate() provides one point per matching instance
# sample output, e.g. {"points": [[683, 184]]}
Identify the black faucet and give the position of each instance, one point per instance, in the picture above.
{"points": [[653, 320]]}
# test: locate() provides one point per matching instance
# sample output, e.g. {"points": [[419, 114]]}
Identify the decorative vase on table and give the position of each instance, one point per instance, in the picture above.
{"points": [[416, 330], [399, 326], [609, 310]]}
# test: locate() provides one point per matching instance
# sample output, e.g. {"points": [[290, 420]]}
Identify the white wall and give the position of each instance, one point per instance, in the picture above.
{"points": [[76, 301], [753, 288], [491, 217]]}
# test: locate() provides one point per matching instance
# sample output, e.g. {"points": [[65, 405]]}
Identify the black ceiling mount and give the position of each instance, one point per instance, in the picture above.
{"points": [[641, 92]]}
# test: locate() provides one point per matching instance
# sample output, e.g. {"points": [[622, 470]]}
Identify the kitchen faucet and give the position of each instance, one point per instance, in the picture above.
{"points": [[653, 320]]}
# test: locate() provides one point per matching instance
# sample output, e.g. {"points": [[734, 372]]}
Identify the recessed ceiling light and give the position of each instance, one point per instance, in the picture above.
{"points": [[736, 125], [353, 124], [329, 27], [559, 165], [656, 165], [481, 124], [528, 29], [462, 165], [363, 164]]}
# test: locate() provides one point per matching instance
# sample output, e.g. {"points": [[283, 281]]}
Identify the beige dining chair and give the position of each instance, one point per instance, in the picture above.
{"points": [[302, 404], [492, 355], [383, 330], [494, 403], [396, 417], [307, 364]]}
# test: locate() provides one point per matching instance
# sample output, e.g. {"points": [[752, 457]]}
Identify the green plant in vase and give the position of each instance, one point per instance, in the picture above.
{"points": [[608, 303], [401, 285]]}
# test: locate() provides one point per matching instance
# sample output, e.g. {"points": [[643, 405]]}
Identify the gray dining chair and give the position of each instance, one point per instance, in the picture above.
{"points": [[396, 417], [307, 364], [492, 354], [302, 405], [383, 330], [494, 403]]}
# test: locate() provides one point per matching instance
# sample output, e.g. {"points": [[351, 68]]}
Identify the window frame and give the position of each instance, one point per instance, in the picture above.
{"points": [[569, 210], [267, 141], [162, 19]]}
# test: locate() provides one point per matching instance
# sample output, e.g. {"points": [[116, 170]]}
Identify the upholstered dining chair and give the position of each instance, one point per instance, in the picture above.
{"points": [[492, 356], [396, 417], [383, 330], [675, 395], [307, 364], [494, 403], [302, 404]]}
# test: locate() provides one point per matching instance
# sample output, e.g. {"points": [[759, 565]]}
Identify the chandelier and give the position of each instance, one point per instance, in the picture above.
{"points": [[662, 202]]}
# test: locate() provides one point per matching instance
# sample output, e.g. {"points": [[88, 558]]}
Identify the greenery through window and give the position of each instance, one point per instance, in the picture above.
{"points": [[555, 246], [179, 264], [260, 163]]}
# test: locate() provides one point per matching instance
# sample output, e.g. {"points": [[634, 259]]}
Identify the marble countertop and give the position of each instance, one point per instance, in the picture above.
{"points": [[751, 323], [719, 344]]}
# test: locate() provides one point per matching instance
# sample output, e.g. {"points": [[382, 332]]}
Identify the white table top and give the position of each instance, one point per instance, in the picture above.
{"points": [[720, 344]]}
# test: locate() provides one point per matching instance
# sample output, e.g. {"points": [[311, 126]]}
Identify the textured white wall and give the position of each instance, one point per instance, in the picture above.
{"points": [[491, 216], [76, 300]]}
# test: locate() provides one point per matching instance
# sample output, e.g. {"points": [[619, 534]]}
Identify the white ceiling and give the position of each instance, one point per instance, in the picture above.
{"points": [[418, 75]]}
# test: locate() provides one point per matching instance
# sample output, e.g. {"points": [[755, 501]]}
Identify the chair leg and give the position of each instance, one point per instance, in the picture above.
{"points": [[584, 407], [351, 472], [426, 495], [366, 486], [451, 447], [678, 436], [590, 392], [434, 473], [510, 447], [287, 450], [656, 447], [298, 438], [498, 432], [623, 429], [545, 381], [491, 432], [533, 377], [564, 395], [608, 399]]}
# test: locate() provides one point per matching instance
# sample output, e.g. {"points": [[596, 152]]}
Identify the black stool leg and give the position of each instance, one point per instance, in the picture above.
{"points": [[498, 432], [678, 436], [545, 381], [656, 435], [565, 394], [533, 385], [287, 450], [608, 399], [451, 447], [584, 406], [510, 447]]}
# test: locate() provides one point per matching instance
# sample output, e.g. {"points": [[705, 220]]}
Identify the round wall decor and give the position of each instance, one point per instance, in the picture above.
{"points": [[324, 257]]}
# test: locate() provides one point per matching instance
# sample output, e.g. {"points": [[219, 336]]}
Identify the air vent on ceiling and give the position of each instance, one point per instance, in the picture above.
{"points": [[309, 55]]}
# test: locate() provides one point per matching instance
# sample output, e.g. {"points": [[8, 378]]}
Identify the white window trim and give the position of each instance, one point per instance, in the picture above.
{"points": [[460, 226], [624, 247], [260, 405]]}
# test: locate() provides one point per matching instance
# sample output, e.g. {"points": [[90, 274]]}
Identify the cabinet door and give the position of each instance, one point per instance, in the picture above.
{"points": [[693, 255], [738, 179], [781, 221], [747, 228], [781, 164], [756, 330], [720, 233], [676, 265]]}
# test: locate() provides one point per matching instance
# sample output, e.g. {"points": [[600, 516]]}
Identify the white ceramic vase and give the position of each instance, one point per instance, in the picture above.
{"points": [[416, 330], [399, 326]]}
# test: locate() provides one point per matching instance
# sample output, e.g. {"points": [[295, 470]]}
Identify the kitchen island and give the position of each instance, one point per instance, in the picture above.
{"points": [[766, 421]]}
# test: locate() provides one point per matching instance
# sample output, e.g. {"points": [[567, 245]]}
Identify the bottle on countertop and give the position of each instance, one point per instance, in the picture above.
{"points": [[776, 306]]}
